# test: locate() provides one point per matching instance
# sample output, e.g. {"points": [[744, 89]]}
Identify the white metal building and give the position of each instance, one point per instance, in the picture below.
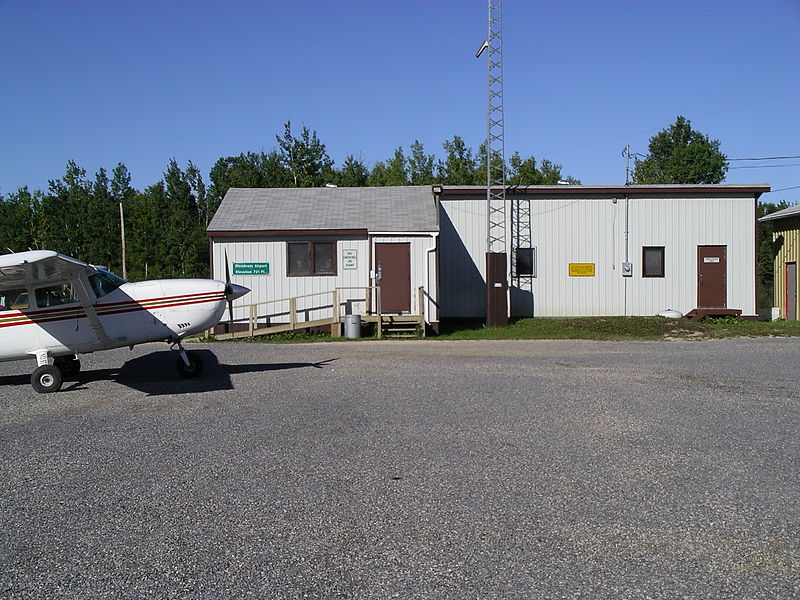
{"points": [[597, 250], [687, 247], [304, 242]]}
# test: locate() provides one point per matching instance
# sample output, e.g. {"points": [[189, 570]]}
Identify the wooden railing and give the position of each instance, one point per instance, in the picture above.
{"points": [[298, 315]]}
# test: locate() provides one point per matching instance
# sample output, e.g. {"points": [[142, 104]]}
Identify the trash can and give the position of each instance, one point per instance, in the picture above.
{"points": [[352, 326]]}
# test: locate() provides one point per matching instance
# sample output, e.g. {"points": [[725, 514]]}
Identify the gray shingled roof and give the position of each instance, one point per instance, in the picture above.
{"points": [[792, 211], [402, 208]]}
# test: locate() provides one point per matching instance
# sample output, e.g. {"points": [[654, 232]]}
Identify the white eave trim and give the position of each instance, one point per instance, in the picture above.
{"points": [[416, 233]]}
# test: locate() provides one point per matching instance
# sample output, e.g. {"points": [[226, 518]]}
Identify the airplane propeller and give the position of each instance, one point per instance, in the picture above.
{"points": [[232, 292], [228, 291]]}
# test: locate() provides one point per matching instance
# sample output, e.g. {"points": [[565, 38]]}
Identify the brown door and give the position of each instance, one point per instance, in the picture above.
{"points": [[393, 275], [496, 289], [712, 269], [791, 291]]}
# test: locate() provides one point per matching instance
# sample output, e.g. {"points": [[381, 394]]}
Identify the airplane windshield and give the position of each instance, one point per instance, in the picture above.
{"points": [[105, 282]]}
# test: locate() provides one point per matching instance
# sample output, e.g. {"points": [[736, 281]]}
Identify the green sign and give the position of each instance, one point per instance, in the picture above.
{"points": [[251, 268]]}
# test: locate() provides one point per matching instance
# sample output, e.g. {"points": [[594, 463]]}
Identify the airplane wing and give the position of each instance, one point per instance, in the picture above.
{"points": [[38, 266], [42, 266]]}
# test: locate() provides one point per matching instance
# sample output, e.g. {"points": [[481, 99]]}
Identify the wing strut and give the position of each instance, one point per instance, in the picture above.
{"points": [[91, 313]]}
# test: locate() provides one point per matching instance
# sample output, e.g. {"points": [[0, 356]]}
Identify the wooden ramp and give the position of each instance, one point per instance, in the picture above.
{"points": [[327, 307]]}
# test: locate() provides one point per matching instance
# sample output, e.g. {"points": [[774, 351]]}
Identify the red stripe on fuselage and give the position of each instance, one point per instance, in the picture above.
{"points": [[162, 298], [77, 312], [160, 306]]}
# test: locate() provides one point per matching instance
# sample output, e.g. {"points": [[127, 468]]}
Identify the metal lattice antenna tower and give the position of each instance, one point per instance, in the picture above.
{"points": [[495, 143]]}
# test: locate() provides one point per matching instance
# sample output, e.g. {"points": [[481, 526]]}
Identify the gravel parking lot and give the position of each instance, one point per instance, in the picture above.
{"points": [[422, 469]]}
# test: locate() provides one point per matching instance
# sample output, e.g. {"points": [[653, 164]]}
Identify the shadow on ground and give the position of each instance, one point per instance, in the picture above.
{"points": [[155, 374]]}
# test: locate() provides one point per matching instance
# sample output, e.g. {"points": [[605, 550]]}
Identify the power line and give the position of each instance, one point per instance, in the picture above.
{"points": [[766, 158], [765, 166], [627, 135], [692, 159], [794, 187]]}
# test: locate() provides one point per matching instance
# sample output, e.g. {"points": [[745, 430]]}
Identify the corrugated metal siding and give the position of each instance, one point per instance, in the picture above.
{"points": [[787, 237], [681, 225], [592, 230], [278, 285], [462, 263]]}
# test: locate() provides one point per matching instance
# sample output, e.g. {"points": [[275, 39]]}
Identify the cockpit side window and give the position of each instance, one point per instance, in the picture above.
{"points": [[55, 295], [14, 299], [104, 282]]}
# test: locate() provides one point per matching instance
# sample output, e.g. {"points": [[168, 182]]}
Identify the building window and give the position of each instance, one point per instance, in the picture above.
{"points": [[653, 261], [526, 261], [311, 258]]}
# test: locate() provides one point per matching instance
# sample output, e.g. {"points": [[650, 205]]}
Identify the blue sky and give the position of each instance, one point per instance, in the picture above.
{"points": [[140, 82]]}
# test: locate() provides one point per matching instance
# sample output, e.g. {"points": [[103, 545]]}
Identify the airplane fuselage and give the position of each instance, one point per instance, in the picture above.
{"points": [[133, 313], [54, 307]]}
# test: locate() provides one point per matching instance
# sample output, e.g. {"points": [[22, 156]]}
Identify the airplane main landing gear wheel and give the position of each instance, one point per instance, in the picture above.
{"points": [[46, 379], [195, 368], [68, 365]]}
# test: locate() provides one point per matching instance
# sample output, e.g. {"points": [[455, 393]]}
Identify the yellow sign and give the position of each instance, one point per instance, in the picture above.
{"points": [[581, 269]]}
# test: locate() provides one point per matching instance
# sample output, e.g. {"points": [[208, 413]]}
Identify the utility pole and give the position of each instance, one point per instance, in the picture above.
{"points": [[122, 235], [496, 257], [627, 154]]}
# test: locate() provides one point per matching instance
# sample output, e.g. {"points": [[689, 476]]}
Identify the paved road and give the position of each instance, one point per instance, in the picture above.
{"points": [[410, 470]]}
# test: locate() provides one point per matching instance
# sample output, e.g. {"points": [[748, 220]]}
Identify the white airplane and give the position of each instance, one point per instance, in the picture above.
{"points": [[55, 306]]}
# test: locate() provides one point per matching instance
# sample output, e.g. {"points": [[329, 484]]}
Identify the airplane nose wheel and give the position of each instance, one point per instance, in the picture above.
{"points": [[46, 379], [189, 364], [195, 368]]}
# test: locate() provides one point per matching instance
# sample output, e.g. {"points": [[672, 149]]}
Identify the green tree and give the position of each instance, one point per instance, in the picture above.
{"points": [[377, 176], [18, 213], [121, 190], [306, 158], [396, 173], [248, 170], [102, 222], [184, 232], [479, 178], [354, 173], [63, 217], [459, 165], [680, 154], [551, 174], [767, 252], [195, 180], [420, 165], [145, 231], [523, 171], [526, 172], [122, 193]]}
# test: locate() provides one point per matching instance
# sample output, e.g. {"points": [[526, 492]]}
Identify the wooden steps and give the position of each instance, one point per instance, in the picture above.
{"points": [[699, 314], [401, 327]]}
